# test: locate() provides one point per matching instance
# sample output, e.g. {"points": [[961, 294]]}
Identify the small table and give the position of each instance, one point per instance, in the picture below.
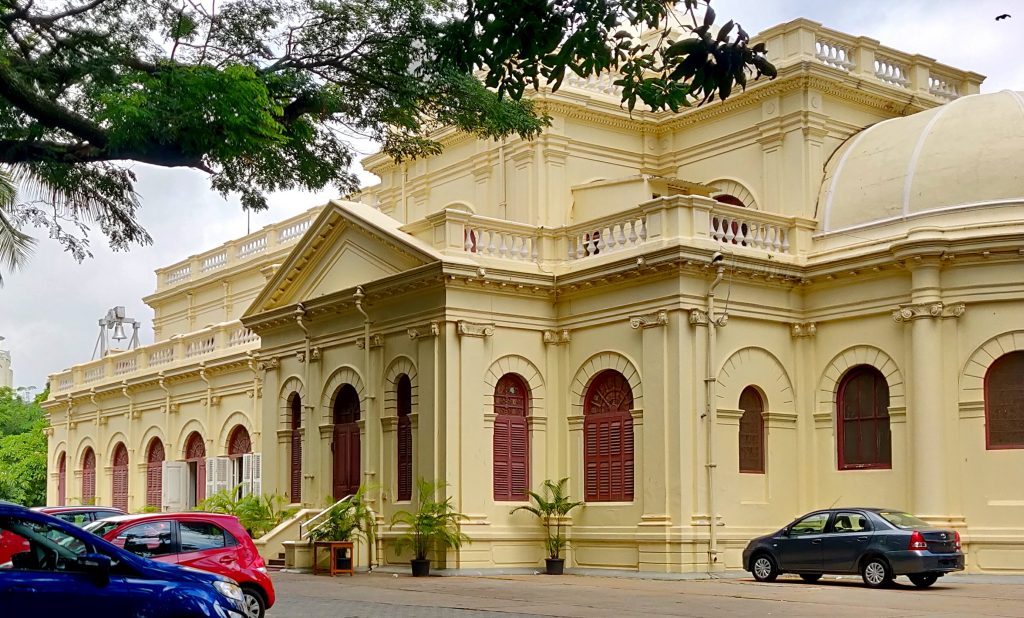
{"points": [[334, 547]]}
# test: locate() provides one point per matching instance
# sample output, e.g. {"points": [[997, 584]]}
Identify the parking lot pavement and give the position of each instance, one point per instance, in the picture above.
{"points": [[383, 594]]}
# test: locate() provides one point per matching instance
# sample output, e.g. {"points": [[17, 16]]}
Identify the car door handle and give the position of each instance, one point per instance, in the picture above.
{"points": [[20, 588], [816, 542], [226, 560], [862, 538]]}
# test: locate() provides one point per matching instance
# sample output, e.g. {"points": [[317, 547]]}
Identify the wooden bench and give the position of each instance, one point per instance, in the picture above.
{"points": [[333, 548]]}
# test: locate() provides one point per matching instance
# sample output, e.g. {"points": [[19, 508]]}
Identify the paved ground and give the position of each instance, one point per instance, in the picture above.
{"points": [[513, 596]]}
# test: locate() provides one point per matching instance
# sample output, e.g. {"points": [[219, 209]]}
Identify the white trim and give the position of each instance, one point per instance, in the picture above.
{"points": [[924, 213], [908, 179]]}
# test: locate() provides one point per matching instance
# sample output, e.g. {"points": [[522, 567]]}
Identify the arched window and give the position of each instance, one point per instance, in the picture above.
{"points": [[732, 200], [346, 466], [403, 391], [1004, 402], [238, 442], [154, 473], [119, 497], [863, 433], [295, 416], [88, 476], [608, 439], [751, 431], [511, 446], [62, 479], [195, 458]]}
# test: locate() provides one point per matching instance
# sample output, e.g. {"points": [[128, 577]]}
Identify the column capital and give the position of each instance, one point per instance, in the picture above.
{"points": [[938, 309], [471, 329], [557, 337], [426, 330], [650, 320], [803, 329]]}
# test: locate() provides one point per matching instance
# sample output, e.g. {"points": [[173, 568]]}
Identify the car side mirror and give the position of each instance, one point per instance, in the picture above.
{"points": [[96, 566]]}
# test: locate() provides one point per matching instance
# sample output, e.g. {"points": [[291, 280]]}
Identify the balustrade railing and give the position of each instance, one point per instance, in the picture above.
{"points": [[834, 54], [181, 273], [604, 238], [943, 87], [748, 232], [214, 261], [252, 247], [500, 244], [891, 72], [229, 336], [604, 83]]}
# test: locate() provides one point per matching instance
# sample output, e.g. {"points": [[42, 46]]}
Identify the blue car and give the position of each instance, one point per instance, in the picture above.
{"points": [[879, 544], [66, 570]]}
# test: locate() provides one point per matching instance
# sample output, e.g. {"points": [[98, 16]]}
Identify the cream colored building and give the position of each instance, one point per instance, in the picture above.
{"points": [[711, 322]]}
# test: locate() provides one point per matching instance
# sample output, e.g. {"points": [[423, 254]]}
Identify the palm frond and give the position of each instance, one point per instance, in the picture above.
{"points": [[15, 246]]}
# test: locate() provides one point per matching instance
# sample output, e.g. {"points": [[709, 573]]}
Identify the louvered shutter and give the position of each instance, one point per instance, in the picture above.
{"points": [[502, 448], [225, 474], [119, 484], [296, 466], [246, 480], [353, 461], [154, 484], [89, 477], [404, 458], [174, 475], [62, 479], [519, 454], [257, 474], [608, 457], [211, 476]]}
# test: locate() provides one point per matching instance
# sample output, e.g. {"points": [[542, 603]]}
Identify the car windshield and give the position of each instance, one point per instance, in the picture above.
{"points": [[101, 527], [904, 521]]}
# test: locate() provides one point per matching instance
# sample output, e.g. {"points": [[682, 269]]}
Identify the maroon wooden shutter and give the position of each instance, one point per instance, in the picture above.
{"points": [[751, 435], [863, 434], [295, 486], [404, 393], [195, 452], [1004, 402], [155, 473], [511, 442], [88, 476], [608, 451], [346, 442], [239, 442], [62, 479], [120, 478]]}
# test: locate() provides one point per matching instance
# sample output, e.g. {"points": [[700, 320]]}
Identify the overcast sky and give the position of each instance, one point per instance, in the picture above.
{"points": [[49, 310]]}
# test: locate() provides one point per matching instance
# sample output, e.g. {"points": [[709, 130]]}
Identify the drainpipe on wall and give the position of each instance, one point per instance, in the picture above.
{"points": [[167, 409], [257, 415], [711, 408], [209, 395], [300, 313], [359, 295]]}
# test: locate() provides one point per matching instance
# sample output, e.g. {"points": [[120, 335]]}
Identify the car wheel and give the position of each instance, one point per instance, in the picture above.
{"points": [[810, 578], [764, 569], [876, 573], [923, 580], [252, 602]]}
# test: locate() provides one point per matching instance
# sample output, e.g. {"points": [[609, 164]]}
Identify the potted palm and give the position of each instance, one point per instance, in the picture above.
{"points": [[435, 524], [350, 519], [551, 508]]}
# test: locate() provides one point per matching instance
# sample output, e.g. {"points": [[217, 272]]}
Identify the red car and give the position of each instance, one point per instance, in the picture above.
{"points": [[207, 541], [11, 544]]}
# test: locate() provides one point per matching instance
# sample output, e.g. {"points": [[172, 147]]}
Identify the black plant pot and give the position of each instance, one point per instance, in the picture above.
{"points": [[420, 568], [555, 566], [343, 561]]}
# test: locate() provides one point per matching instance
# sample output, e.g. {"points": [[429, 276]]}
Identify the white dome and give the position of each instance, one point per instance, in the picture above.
{"points": [[969, 152]]}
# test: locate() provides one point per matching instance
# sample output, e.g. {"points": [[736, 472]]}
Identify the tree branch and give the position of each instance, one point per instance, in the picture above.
{"points": [[45, 111], [55, 17]]}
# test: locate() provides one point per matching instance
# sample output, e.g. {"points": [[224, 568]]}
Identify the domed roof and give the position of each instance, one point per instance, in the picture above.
{"points": [[969, 152]]}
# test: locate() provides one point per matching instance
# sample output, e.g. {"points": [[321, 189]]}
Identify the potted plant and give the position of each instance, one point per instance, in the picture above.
{"points": [[434, 525], [349, 519], [552, 508]]}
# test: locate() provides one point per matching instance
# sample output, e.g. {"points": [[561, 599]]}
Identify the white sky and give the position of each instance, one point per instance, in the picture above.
{"points": [[49, 310]]}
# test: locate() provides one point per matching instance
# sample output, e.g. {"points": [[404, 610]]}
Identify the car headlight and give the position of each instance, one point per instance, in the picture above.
{"points": [[229, 589]]}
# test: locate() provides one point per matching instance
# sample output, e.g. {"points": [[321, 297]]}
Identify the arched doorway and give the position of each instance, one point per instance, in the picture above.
{"points": [[88, 476], [119, 485], [345, 445], [154, 473], [195, 459], [751, 446], [511, 441], [62, 479], [295, 467], [239, 445], [608, 439]]}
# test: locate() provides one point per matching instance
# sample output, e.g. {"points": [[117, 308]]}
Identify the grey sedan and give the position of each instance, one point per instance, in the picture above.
{"points": [[877, 543]]}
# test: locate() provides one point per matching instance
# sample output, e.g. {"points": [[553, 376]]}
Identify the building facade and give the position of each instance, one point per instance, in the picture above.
{"points": [[710, 322]]}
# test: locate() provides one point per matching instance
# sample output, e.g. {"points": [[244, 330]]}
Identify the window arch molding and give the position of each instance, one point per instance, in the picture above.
{"points": [[192, 426], [526, 370], [83, 444], [972, 375], [142, 446], [233, 420], [112, 442], [293, 384], [737, 189], [346, 374], [400, 365], [828, 383], [58, 449], [594, 366], [757, 366], [1004, 392]]}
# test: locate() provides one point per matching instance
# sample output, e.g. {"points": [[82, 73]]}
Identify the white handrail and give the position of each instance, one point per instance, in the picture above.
{"points": [[305, 530]]}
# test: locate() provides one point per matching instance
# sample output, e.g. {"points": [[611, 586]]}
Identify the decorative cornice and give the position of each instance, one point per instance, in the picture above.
{"points": [[650, 320], [908, 313], [376, 341], [270, 364], [698, 317], [803, 329], [432, 329], [314, 355], [471, 329], [557, 337]]}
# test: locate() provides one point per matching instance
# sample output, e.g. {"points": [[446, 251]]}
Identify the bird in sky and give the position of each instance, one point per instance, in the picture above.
{"points": [[1003, 16]]}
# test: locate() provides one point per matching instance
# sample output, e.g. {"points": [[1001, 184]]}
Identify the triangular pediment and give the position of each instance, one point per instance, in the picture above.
{"points": [[349, 244]]}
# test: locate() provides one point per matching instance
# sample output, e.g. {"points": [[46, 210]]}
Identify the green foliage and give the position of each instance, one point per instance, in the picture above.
{"points": [[266, 95], [434, 525], [259, 514], [350, 519], [149, 508], [551, 508], [22, 449]]}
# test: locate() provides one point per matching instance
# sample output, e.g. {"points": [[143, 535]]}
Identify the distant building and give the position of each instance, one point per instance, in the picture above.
{"points": [[710, 321], [6, 373]]}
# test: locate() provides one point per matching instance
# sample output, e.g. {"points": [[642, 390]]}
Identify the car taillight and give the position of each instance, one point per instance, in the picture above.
{"points": [[956, 539], [917, 541]]}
